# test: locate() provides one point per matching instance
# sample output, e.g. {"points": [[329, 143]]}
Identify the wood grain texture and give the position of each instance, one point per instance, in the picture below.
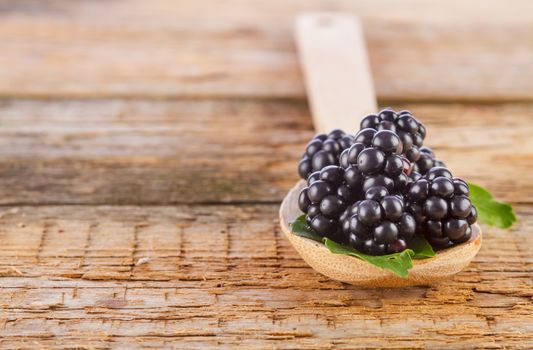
{"points": [[419, 50], [171, 129], [190, 151], [222, 276]]}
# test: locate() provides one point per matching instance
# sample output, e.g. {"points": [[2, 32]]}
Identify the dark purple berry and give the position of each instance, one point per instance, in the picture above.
{"points": [[442, 187], [303, 200], [331, 146], [373, 248], [407, 123], [460, 207], [333, 174], [415, 175], [392, 207], [304, 168], [322, 159], [418, 212], [467, 235], [460, 187], [370, 121], [369, 212], [422, 130], [353, 177], [336, 134], [365, 136], [346, 193], [407, 226], [455, 228], [434, 228], [378, 180], [386, 125], [313, 210], [419, 190], [407, 140], [435, 172], [397, 246], [401, 182], [322, 225], [312, 147], [386, 232], [394, 165], [343, 159], [472, 218], [412, 154], [313, 177], [376, 193], [387, 114], [331, 206], [357, 227], [418, 141], [386, 141], [370, 161], [435, 208], [439, 242], [353, 152], [318, 190]]}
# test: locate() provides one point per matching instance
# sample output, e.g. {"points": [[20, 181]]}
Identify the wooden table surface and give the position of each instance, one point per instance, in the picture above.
{"points": [[146, 145]]}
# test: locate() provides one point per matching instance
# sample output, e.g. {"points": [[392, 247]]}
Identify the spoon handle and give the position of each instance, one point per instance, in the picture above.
{"points": [[337, 74]]}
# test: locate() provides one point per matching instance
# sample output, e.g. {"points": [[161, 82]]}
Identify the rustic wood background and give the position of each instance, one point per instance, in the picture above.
{"points": [[146, 145]]}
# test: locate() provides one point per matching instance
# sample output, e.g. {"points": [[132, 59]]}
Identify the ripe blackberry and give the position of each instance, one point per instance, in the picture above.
{"points": [[374, 160], [404, 124], [323, 201], [323, 150], [442, 208], [378, 224], [426, 161]]}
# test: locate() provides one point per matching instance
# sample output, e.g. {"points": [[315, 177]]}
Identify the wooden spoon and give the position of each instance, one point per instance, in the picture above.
{"points": [[339, 84]]}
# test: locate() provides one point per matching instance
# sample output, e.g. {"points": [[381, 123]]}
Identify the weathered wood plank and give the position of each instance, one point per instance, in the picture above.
{"points": [[443, 50], [196, 151], [208, 276]]}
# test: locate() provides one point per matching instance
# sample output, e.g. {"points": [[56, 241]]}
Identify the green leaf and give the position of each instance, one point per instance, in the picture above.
{"points": [[421, 248], [490, 211], [399, 263], [300, 228]]}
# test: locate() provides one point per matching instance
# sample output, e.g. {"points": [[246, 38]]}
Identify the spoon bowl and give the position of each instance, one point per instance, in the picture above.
{"points": [[351, 270]]}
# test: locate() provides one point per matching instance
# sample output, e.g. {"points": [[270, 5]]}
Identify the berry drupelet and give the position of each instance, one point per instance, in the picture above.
{"points": [[426, 161], [442, 208], [404, 124], [323, 150], [379, 223]]}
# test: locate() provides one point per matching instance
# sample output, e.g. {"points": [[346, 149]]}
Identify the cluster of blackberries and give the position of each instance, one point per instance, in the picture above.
{"points": [[374, 160], [407, 127], [378, 188], [378, 224], [323, 150], [441, 207]]}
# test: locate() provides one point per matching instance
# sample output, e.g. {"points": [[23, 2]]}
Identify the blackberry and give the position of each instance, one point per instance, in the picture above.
{"points": [[378, 224], [426, 161], [374, 160], [442, 208], [404, 124], [323, 201], [323, 150]]}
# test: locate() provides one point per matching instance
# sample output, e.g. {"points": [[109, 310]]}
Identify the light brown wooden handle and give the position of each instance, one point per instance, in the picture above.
{"points": [[337, 74]]}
